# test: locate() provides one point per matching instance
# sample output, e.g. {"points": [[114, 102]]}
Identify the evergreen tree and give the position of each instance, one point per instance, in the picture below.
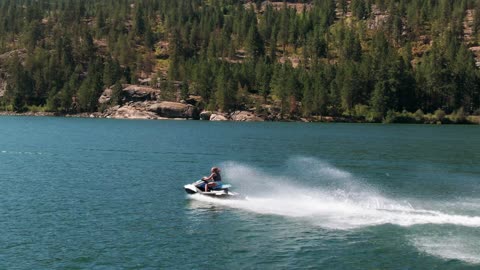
{"points": [[359, 9], [139, 20], [91, 89], [410, 55], [225, 89], [117, 94], [280, 85], [176, 57], [263, 73], [254, 43], [19, 86]]}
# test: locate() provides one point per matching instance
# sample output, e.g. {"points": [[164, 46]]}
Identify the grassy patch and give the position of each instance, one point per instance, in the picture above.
{"points": [[162, 64], [474, 119], [35, 109]]}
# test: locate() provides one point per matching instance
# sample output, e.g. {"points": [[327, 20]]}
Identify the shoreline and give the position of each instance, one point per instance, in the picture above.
{"points": [[475, 120]]}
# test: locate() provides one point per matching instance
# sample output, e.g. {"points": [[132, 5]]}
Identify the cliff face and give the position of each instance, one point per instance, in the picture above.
{"points": [[3, 84], [143, 102]]}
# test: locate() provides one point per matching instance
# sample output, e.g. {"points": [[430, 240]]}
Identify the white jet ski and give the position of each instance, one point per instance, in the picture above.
{"points": [[220, 191]]}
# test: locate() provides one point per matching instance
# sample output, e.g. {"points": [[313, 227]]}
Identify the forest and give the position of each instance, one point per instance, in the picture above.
{"points": [[368, 59]]}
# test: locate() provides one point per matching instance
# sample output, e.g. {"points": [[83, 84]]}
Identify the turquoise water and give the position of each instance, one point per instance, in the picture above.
{"points": [[107, 194]]}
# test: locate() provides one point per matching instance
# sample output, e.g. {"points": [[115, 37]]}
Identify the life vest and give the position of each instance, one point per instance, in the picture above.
{"points": [[217, 177]]}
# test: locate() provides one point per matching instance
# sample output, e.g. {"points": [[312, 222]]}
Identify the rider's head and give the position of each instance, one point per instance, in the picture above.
{"points": [[215, 170]]}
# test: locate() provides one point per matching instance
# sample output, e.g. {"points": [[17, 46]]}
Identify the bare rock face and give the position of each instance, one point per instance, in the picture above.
{"points": [[143, 102], [133, 93], [3, 86], [174, 110], [193, 100], [218, 117], [130, 112], [205, 115], [245, 116], [21, 53], [106, 96], [140, 93]]}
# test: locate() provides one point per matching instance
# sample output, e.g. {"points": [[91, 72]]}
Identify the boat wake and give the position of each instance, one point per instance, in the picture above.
{"points": [[460, 246], [336, 200], [20, 153]]}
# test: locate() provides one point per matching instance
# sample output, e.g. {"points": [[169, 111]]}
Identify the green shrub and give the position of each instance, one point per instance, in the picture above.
{"points": [[407, 117], [7, 107], [361, 111], [103, 107], [440, 115], [458, 116], [403, 117], [374, 116], [419, 115], [390, 117], [473, 119], [35, 109]]}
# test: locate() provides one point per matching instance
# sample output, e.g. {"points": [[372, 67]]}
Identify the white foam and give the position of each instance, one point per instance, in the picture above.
{"points": [[335, 213], [450, 247], [339, 201], [21, 153]]}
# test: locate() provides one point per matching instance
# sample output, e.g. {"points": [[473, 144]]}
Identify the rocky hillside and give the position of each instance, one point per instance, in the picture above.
{"points": [[352, 59], [143, 102]]}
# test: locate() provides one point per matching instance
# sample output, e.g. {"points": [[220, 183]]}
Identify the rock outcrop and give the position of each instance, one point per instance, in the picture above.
{"points": [[3, 86], [218, 117], [245, 116], [143, 102], [152, 110], [21, 53], [205, 115], [132, 93], [174, 110], [140, 93], [131, 112], [106, 96]]}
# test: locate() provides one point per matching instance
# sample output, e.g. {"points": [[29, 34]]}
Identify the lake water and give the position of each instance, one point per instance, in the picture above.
{"points": [[108, 194]]}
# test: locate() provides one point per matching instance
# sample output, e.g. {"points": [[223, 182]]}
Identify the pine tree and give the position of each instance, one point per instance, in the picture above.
{"points": [[378, 102], [224, 89], [20, 85], [139, 20], [91, 89], [33, 35], [308, 101], [176, 57], [263, 73], [149, 39], [117, 94], [254, 43], [359, 9], [280, 81], [476, 18]]}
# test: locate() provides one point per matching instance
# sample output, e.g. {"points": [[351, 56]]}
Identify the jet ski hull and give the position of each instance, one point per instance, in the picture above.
{"points": [[217, 193]]}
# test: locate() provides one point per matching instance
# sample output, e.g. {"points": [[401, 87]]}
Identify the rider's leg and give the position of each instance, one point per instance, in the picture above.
{"points": [[209, 185]]}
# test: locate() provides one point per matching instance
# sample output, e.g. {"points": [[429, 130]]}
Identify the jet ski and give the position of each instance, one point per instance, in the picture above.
{"points": [[220, 191]]}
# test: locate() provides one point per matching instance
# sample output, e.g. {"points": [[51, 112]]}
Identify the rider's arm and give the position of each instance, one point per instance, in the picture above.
{"points": [[209, 178]]}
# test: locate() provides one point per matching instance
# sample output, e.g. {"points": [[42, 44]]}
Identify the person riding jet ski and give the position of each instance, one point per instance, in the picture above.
{"points": [[214, 180], [212, 186]]}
